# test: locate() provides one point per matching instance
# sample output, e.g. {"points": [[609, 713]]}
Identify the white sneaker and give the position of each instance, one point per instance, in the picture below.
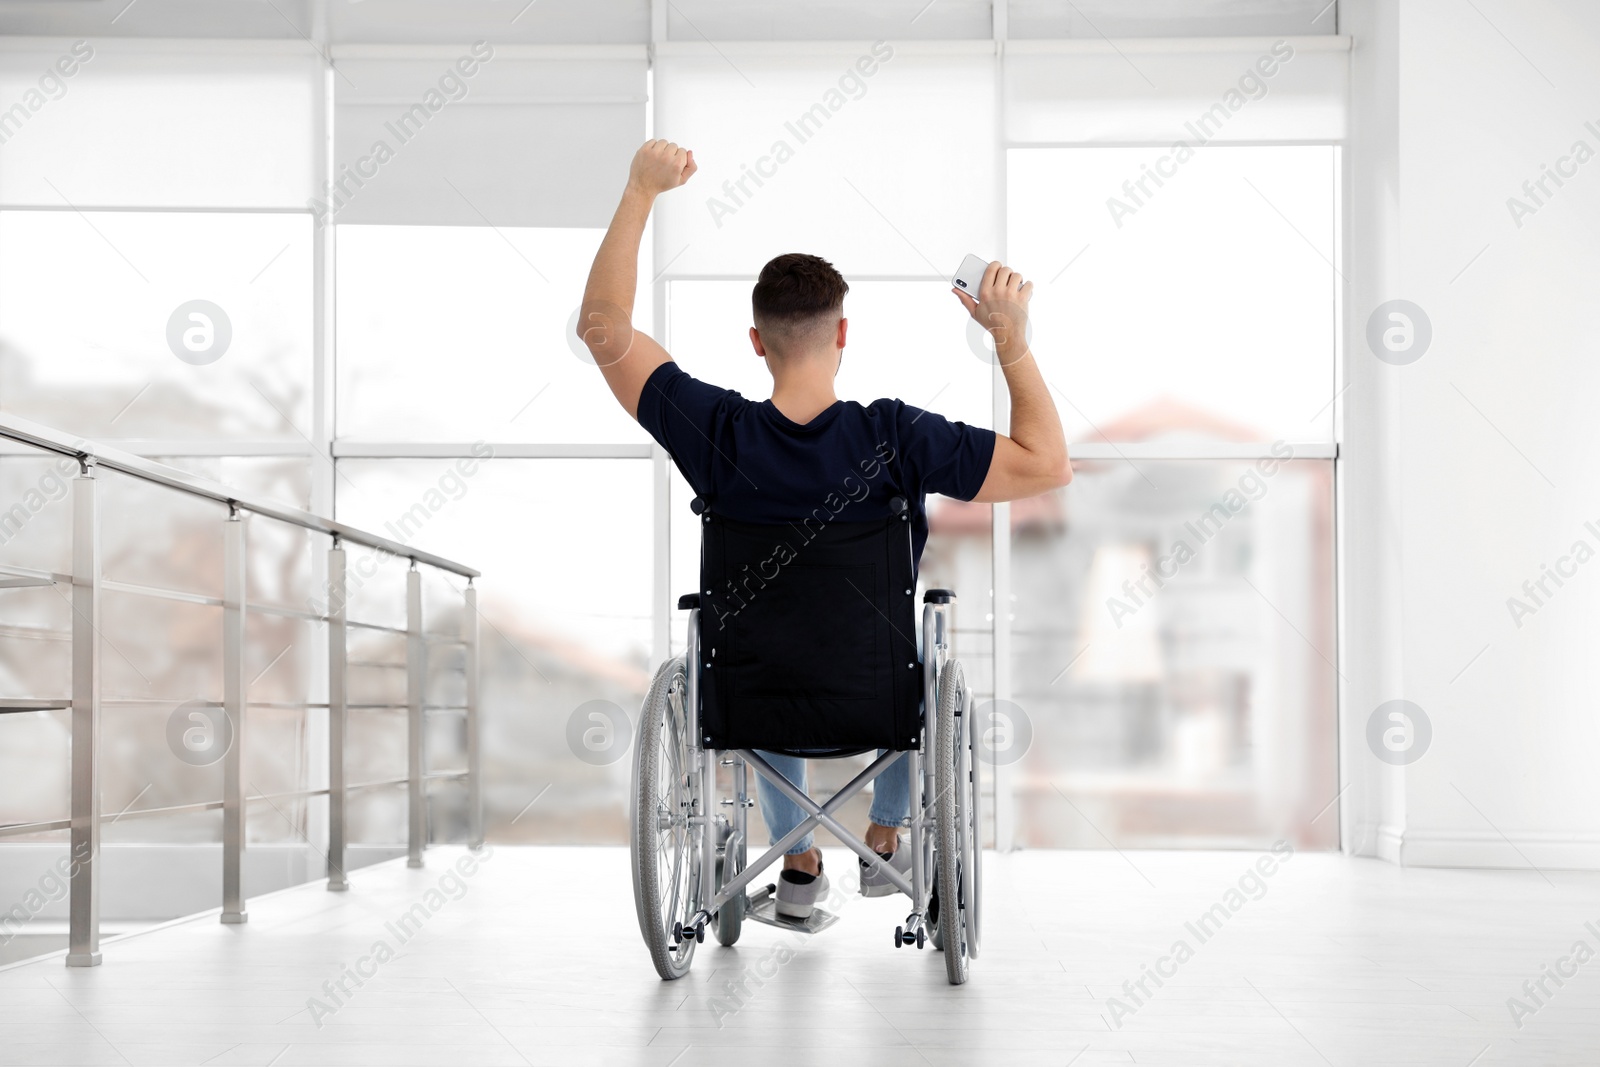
{"points": [[798, 893], [874, 883]]}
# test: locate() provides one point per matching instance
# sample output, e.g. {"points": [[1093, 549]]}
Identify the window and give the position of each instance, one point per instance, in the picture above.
{"points": [[1184, 325], [1173, 613]]}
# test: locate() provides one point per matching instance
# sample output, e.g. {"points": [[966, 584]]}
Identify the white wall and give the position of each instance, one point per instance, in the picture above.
{"points": [[1469, 469]]}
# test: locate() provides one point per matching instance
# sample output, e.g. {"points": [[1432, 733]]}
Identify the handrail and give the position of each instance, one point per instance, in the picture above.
{"points": [[42, 437], [88, 584]]}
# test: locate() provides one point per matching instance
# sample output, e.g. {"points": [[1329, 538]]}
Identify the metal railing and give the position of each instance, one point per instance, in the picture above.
{"points": [[85, 702]]}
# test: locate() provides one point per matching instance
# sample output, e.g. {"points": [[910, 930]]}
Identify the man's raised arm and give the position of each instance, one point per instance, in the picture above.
{"points": [[1032, 459], [605, 321]]}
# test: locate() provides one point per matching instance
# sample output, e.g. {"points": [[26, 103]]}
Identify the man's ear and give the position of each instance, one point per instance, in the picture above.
{"points": [[844, 325], [755, 342]]}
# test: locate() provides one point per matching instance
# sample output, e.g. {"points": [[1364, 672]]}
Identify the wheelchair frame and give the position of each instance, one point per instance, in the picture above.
{"points": [[945, 820]]}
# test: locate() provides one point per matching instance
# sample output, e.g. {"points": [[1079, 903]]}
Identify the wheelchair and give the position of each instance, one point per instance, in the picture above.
{"points": [[800, 640]]}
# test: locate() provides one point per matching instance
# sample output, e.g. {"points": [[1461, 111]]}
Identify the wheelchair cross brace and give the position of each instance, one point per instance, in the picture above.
{"points": [[818, 815]]}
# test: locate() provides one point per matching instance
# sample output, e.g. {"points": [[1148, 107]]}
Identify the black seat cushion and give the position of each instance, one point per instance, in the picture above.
{"points": [[808, 636]]}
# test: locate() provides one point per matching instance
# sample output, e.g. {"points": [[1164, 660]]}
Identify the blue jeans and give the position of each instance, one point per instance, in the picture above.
{"points": [[891, 797]]}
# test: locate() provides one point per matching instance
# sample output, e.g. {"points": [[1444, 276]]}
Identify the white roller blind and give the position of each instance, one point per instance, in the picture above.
{"points": [[480, 134], [827, 20], [1227, 90], [878, 158], [1119, 19], [156, 124]]}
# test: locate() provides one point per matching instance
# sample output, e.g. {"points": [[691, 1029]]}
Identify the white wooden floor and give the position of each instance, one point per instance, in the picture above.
{"points": [[1340, 961]]}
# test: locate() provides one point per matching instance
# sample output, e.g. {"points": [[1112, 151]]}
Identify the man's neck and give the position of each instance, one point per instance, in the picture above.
{"points": [[803, 396]]}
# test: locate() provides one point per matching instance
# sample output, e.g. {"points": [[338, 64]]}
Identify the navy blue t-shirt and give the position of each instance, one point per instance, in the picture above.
{"points": [[757, 465]]}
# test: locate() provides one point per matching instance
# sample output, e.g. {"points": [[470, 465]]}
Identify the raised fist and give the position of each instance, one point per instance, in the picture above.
{"points": [[659, 166]]}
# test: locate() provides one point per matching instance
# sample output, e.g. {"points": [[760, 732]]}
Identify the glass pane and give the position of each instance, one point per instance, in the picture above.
{"points": [[565, 547], [36, 525], [154, 536], [157, 325], [1205, 307], [35, 750], [284, 479], [906, 339], [1173, 656], [479, 321]]}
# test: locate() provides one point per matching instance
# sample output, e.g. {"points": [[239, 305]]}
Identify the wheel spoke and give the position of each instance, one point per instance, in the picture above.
{"points": [[677, 864], [667, 843]]}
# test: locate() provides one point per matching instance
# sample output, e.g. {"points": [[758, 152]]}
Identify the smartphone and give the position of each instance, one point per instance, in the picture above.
{"points": [[969, 275]]}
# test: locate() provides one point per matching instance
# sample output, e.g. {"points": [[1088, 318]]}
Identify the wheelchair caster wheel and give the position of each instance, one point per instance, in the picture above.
{"points": [[700, 933], [899, 936], [921, 937], [677, 933]]}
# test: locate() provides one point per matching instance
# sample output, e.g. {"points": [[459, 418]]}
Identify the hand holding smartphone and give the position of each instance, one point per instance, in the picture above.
{"points": [[969, 275], [1002, 310]]}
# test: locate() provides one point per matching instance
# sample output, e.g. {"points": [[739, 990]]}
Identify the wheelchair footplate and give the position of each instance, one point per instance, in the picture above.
{"points": [[763, 908]]}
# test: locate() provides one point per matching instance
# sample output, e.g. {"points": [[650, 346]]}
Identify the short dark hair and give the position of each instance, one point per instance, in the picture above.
{"points": [[795, 292]]}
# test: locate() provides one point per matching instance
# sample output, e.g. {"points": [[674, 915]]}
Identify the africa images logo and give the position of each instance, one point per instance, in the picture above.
{"points": [[199, 332], [1399, 332], [1399, 732]]}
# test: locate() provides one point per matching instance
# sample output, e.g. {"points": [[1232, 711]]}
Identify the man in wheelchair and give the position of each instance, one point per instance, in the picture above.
{"points": [[801, 634]]}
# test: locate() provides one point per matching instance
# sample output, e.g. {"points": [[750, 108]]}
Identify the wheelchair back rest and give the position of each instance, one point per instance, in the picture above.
{"points": [[808, 636]]}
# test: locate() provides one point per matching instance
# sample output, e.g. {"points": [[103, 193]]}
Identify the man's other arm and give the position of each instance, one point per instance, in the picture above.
{"points": [[627, 356], [1032, 459]]}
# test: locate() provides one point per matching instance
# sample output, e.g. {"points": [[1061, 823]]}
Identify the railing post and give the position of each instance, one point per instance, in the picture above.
{"points": [[416, 679], [338, 714], [83, 940], [469, 641], [233, 706]]}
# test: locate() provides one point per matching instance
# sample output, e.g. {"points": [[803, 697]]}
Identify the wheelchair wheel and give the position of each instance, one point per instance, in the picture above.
{"points": [[730, 917], [664, 844], [952, 826], [974, 855]]}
